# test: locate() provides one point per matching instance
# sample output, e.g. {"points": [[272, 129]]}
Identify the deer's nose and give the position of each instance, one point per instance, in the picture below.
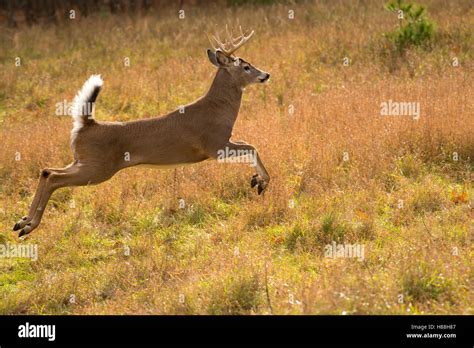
{"points": [[265, 77]]}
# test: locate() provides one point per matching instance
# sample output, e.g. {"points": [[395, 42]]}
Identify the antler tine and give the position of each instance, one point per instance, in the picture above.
{"points": [[230, 45], [244, 35], [221, 45], [211, 42], [243, 39], [229, 37], [218, 40]]}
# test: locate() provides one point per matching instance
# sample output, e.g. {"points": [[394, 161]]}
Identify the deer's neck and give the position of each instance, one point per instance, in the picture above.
{"points": [[225, 94]]}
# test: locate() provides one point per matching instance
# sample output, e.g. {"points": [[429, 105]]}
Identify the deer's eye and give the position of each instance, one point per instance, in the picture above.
{"points": [[247, 68]]}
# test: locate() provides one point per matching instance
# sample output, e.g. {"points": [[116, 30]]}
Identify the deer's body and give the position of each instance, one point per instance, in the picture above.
{"points": [[192, 134], [189, 135]]}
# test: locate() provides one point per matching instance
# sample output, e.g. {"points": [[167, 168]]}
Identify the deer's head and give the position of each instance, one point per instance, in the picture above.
{"points": [[241, 72]]}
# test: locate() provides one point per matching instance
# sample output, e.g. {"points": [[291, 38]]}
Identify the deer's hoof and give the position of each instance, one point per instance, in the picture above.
{"points": [[25, 230], [254, 181], [20, 224], [258, 180]]}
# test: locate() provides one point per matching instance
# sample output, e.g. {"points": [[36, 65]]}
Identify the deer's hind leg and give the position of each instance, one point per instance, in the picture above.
{"points": [[53, 179], [39, 191]]}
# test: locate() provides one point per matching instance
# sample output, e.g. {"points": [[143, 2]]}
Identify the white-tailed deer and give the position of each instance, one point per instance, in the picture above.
{"points": [[197, 132]]}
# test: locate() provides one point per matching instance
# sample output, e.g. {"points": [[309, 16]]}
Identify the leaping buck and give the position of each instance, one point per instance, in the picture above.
{"points": [[199, 133]]}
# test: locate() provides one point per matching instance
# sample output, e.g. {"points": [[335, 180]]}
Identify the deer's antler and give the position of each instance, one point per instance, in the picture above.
{"points": [[230, 45]]}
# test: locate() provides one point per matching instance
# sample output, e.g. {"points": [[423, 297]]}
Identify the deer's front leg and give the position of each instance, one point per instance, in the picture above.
{"points": [[241, 149]]}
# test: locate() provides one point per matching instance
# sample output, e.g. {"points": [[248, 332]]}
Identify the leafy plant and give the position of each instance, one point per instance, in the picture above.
{"points": [[414, 28]]}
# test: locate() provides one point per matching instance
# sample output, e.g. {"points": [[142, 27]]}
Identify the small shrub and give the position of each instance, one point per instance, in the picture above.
{"points": [[414, 27]]}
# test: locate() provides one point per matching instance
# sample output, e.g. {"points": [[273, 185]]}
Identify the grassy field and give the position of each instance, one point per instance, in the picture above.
{"points": [[399, 188]]}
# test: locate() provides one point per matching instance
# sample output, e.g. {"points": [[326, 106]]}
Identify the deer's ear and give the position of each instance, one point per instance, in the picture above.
{"points": [[222, 59], [212, 57]]}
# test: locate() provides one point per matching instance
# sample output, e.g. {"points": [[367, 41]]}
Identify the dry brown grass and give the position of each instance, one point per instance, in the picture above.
{"points": [[229, 247]]}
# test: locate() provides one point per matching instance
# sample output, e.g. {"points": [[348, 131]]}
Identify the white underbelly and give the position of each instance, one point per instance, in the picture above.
{"points": [[165, 166]]}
